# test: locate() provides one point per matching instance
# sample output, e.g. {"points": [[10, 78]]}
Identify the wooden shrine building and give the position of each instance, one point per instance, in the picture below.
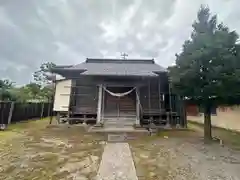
{"points": [[117, 92]]}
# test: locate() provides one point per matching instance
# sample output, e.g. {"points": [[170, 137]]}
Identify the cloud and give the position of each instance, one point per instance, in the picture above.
{"points": [[68, 31], [4, 19]]}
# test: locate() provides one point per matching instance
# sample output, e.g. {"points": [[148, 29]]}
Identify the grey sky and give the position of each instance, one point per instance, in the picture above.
{"points": [[68, 31]]}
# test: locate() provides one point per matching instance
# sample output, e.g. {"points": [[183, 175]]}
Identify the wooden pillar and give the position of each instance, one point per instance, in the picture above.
{"points": [[58, 117], [178, 110], [170, 104], [149, 97], [159, 100], [103, 104], [159, 95], [99, 103], [137, 107], [168, 125], [72, 98]]}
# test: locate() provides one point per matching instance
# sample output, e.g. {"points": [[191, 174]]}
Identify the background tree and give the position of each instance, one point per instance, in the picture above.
{"points": [[207, 70], [5, 89], [33, 89], [40, 90], [44, 78], [29, 92], [41, 76]]}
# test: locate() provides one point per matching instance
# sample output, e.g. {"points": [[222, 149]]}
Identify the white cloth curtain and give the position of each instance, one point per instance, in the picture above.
{"points": [[119, 94]]}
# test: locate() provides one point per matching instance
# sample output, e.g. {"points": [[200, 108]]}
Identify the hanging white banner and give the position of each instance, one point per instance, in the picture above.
{"points": [[119, 94]]}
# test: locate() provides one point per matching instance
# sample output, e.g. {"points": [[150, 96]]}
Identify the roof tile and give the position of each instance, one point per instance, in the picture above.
{"points": [[120, 67]]}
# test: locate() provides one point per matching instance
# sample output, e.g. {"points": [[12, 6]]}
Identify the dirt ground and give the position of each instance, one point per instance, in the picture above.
{"points": [[35, 151], [183, 155]]}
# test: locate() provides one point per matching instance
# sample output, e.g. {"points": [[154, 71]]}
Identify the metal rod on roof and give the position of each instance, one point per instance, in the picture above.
{"points": [[124, 55]]}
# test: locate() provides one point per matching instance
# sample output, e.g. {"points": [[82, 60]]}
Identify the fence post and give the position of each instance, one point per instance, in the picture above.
{"points": [[49, 108], [11, 112], [42, 110], [50, 113], [1, 113], [2, 123]]}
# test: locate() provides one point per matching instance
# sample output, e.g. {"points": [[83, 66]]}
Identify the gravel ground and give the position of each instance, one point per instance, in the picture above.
{"points": [[184, 157], [33, 151]]}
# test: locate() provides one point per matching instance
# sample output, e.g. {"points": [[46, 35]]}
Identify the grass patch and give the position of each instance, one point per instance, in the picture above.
{"points": [[35, 150], [20, 128], [229, 137], [28, 124], [176, 133]]}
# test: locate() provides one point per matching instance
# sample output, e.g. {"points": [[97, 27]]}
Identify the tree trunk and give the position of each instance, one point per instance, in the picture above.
{"points": [[207, 123]]}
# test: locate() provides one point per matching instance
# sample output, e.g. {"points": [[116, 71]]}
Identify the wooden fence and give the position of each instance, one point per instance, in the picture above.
{"points": [[11, 112]]}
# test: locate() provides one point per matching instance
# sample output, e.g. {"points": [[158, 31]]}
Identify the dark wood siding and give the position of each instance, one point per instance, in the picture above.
{"points": [[151, 97], [153, 94], [85, 99]]}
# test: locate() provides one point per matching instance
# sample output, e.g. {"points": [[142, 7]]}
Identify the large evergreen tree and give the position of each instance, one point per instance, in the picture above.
{"points": [[207, 70]]}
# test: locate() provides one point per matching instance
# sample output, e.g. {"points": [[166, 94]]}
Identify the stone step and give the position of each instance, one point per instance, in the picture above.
{"points": [[118, 127], [128, 129], [121, 115], [118, 124], [119, 120], [125, 122]]}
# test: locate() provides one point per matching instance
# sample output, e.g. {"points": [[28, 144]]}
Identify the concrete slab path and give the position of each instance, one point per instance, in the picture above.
{"points": [[117, 163]]}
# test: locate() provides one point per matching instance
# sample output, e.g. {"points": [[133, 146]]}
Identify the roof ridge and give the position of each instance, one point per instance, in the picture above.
{"points": [[123, 61]]}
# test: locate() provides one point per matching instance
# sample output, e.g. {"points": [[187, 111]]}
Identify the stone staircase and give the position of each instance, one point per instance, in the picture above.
{"points": [[118, 125], [119, 122]]}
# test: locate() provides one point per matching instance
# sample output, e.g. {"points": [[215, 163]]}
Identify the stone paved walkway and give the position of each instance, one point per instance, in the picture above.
{"points": [[117, 163]]}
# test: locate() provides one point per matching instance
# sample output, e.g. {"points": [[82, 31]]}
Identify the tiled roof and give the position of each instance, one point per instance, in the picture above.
{"points": [[119, 67]]}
